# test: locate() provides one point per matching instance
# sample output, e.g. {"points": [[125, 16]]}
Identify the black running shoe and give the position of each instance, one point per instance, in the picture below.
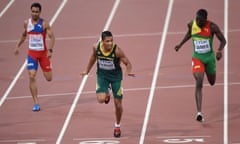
{"points": [[200, 118], [117, 132]]}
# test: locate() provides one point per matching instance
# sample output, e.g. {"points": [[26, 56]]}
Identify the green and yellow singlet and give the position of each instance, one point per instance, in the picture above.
{"points": [[202, 41], [108, 65]]}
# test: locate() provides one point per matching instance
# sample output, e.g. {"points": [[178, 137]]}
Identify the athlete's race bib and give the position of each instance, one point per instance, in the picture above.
{"points": [[106, 64], [202, 46], [36, 42]]}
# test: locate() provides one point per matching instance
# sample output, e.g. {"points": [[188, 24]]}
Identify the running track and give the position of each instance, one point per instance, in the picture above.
{"points": [[159, 105]]}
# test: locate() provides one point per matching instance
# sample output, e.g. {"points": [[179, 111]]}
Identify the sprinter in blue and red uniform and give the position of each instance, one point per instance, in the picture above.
{"points": [[36, 29]]}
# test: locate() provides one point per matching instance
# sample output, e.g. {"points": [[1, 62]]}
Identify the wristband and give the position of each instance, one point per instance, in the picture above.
{"points": [[50, 50]]}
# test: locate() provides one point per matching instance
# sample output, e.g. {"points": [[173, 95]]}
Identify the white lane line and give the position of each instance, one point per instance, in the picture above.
{"points": [[225, 117], [156, 71], [25, 62], [3, 98], [79, 92], [23, 141], [11, 85], [163, 137], [6, 8], [130, 89], [58, 12], [116, 35], [100, 138]]}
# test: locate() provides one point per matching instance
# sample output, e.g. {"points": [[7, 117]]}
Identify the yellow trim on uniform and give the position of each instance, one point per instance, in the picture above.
{"points": [[97, 86], [106, 53], [195, 28], [120, 90], [197, 38]]}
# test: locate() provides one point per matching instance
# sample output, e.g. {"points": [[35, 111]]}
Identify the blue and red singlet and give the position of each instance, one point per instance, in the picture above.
{"points": [[37, 51]]}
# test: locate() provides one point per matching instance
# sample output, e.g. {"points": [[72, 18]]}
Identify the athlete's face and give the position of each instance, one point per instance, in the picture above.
{"points": [[108, 42], [201, 21], [35, 12]]}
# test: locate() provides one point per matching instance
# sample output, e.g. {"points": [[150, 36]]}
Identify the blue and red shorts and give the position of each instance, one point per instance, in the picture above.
{"points": [[42, 59]]}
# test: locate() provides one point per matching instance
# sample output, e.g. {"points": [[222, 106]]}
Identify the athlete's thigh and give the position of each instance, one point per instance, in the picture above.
{"points": [[32, 63], [45, 63], [197, 66], [102, 85], [117, 89], [211, 66]]}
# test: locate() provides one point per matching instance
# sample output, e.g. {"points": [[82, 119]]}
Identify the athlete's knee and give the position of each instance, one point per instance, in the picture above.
{"points": [[100, 100], [199, 84], [101, 97], [211, 79], [118, 104], [49, 79], [32, 76], [199, 79], [48, 76], [212, 83], [119, 108], [32, 79]]}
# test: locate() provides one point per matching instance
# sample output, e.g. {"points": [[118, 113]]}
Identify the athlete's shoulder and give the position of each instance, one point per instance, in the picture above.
{"points": [[190, 23], [45, 23], [119, 52], [95, 45], [25, 23], [214, 27]]}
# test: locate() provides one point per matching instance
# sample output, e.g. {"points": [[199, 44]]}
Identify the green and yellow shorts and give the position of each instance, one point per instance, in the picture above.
{"points": [[103, 84]]}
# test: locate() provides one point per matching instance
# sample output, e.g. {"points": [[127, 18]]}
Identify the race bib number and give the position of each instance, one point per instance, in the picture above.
{"points": [[202, 46], [36, 42], [106, 64]]}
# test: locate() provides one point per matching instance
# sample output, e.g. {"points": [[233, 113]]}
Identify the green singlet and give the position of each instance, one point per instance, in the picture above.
{"points": [[109, 71]]}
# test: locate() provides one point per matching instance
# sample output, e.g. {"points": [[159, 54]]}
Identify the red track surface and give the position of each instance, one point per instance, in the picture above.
{"points": [[137, 27]]}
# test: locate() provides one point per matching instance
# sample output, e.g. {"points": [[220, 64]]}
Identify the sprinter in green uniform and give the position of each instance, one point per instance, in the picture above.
{"points": [[109, 74], [201, 30]]}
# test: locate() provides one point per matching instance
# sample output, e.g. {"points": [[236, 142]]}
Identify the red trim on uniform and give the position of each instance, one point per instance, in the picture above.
{"points": [[197, 66], [206, 31]]}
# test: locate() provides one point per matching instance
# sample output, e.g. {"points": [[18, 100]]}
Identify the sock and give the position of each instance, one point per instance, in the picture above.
{"points": [[117, 125]]}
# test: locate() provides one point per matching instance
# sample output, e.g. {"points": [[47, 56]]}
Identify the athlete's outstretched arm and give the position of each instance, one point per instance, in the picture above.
{"points": [[22, 38], [185, 39], [91, 61]]}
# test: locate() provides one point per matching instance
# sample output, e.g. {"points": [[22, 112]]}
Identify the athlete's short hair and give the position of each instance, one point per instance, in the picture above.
{"points": [[202, 13], [36, 4], [106, 34]]}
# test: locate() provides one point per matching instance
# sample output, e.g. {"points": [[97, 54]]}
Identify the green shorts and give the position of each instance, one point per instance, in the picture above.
{"points": [[103, 85], [211, 66], [209, 62]]}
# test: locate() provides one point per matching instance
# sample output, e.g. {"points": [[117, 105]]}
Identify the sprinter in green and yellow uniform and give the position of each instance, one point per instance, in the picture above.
{"points": [[109, 73], [202, 31]]}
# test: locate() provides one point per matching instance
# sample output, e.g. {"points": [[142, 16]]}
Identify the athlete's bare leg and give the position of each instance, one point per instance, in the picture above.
{"points": [[101, 97], [118, 110], [48, 75], [211, 78], [199, 76], [33, 85]]}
